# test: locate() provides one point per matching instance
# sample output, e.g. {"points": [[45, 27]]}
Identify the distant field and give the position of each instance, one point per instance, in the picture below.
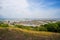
{"points": [[23, 34]]}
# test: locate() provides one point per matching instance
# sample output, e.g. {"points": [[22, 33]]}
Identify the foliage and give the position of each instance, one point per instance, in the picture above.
{"points": [[19, 26], [24, 27], [36, 28], [51, 27], [4, 25], [22, 34], [42, 29], [58, 23]]}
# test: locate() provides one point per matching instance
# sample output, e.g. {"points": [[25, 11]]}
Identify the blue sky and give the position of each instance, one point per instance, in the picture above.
{"points": [[30, 8]]}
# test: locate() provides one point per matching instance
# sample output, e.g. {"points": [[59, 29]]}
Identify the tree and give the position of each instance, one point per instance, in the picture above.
{"points": [[42, 28], [51, 27], [58, 23]]}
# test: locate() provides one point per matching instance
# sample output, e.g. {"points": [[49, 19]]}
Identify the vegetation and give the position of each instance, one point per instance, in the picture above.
{"points": [[23, 34], [23, 27], [20, 32], [3, 24], [51, 27]]}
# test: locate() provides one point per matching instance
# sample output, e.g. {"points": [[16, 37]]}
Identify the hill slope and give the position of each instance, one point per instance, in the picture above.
{"points": [[22, 34]]}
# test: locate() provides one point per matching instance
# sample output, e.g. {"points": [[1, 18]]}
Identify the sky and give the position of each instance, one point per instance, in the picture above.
{"points": [[30, 8]]}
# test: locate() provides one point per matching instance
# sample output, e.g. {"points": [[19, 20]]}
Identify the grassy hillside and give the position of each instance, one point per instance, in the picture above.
{"points": [[23, 34]]}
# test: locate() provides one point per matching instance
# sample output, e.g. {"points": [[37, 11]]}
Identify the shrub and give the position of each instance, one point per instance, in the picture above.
{"points": [[58, 23], [19, 26], [35, 28], [58, 30], [4, 25], [42, 29], [51, 27], [24, 27]]}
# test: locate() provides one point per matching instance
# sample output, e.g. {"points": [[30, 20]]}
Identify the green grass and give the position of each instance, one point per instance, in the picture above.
{"points": [[12, 33]]}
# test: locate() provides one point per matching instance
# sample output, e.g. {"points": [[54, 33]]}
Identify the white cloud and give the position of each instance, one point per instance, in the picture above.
{"points": [[20, 9], [45, 13], [42, 10], [15, 3], [14, 8]]}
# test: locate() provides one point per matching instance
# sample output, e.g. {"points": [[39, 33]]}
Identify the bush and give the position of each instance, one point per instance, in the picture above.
{"points": [[42, 29], [58, 30], [58, 23], [4, 25], [19, 26], [35, 28], [51, 27], [24, 27]]}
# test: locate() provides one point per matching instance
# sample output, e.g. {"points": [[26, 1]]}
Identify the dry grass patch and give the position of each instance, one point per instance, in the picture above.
{"points": [[23, 34]]}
